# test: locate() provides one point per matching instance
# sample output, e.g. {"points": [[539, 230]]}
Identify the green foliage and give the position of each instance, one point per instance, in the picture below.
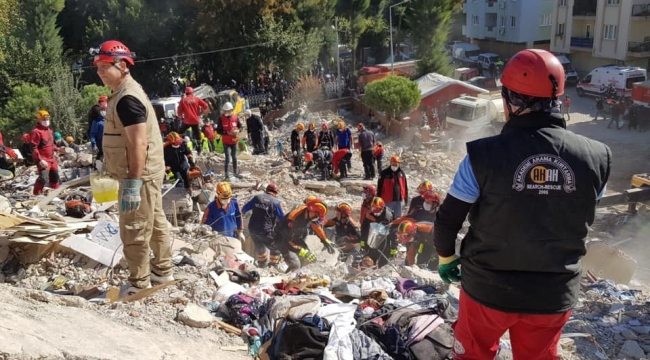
{"points": [[63, 105], [89, 96], [394, 95], [19, 114], [41, 27], [429, 22], [10, 19]]}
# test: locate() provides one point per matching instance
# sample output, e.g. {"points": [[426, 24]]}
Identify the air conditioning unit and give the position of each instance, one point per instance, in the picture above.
{"points": [[502, 5], [502, 31]]}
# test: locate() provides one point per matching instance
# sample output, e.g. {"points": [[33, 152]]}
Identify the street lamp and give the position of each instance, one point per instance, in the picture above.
{"points": [[390, 19], [338, 55]]}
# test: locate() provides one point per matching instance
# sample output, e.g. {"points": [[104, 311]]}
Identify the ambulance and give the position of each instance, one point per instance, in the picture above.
{"points": [[621, 77]]}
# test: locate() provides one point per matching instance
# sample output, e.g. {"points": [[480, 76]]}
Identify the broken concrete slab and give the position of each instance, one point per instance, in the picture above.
{"points": [[324, 187], [314, 244], [631, 350], [196, 316], [607, 262], [356, 185], [181, 198]]}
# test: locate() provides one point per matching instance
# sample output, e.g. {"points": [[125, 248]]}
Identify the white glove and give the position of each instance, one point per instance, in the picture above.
{"points": [[241, 237], [43, 164], [295, 153]]}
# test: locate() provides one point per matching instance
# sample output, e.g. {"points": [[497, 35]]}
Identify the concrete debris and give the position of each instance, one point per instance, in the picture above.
{"points": [[195, 316], [632, 350]]}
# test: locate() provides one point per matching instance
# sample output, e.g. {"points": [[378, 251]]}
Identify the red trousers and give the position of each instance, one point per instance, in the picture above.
{"points": [[479, 328]]}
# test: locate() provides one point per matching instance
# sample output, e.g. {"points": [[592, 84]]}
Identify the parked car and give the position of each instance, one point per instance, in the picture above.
{"points": [[483, 82], [486, 59]]}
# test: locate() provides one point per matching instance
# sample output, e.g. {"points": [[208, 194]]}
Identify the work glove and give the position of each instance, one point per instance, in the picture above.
{"points": [[448, 268], [307, 255], [43, 164], [327, 245], [131, 195], [240, 235], [295, 153], [393, 252], [362, 243], [95, 149]]}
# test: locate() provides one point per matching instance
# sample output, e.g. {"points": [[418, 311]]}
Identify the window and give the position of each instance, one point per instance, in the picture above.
{"points": [[475, 20], [545, 20], [610, 32], [513, 21], [613, 2], [562, 3], [560, 29], [503, 21]]}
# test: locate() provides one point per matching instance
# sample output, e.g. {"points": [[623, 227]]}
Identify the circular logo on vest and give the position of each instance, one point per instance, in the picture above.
{"points": [[544, 173], [458, 347]]}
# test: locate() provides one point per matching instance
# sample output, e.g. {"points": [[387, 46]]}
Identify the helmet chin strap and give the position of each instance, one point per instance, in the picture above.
{"points": [[117, 62], [532, 101]]}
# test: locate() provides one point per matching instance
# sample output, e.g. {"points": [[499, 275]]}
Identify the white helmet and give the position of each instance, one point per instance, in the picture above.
{"points": [[248, 112], [227, 106], [187, 139]]}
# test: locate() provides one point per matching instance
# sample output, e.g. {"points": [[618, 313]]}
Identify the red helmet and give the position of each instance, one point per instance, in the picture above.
{"points": [[432, 196], [272, 188], [344, 208], [377, 205], [317, 206], [406, 231], [309, 157], [324, 126], [103, 98], [370, 191], [174, 139], [425, 186], [27, 138], [534, 72], [112, 51], [189, 90], [378, 151]]}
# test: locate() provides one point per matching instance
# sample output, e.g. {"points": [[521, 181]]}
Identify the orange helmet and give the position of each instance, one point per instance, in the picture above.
{"points": [[312, 126], [395, 159], [174, 138], [432, 196], [112, 51], [377, 205], [309, 198], [223, 190], [378, 151], [189, 90], [344, 208], [406, 231], [534, 72], [370, 191], [309, 157], [102, 98], [341, 125], [300, 127], [272, 188], [425, 186], [42, 115], [317, 206]]}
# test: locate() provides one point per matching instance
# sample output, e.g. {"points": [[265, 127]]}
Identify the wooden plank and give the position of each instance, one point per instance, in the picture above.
{"points": [[66, 185], [146, 292], [7, 221], [35, 221]]}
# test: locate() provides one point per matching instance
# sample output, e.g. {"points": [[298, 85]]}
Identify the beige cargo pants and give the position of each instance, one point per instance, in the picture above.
{"points": [[143, 229]]}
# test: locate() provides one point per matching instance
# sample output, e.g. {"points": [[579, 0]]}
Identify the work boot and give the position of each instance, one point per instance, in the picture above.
{"points": [[155, 278], [132, 290]]}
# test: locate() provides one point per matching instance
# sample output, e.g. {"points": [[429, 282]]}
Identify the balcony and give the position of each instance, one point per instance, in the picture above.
{"points": [[641, 10], [583, 43], [491, 6], [585, 8], [638, 49], [491, 31]]}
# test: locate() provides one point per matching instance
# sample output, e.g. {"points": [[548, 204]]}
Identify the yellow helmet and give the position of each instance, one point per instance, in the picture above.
{"points": [[42, 115], [69, 139], [341, 125], [309, 198], [223, 190], [300, 127], [202, 136]]}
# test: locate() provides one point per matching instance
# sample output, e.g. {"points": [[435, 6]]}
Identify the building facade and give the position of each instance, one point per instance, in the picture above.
{"points": [[594, 33], [507, 26]]}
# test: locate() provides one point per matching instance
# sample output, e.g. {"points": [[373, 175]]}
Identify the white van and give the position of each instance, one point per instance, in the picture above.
{"points": [[487, 59], [166, 108], [622, 77], [570, 73], [466, 53]]}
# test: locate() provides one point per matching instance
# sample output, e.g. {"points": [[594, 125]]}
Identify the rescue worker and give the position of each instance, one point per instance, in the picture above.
{"points": [[381, 214], [426, 211], [393, 187], [529, 215], [69, 141], [208, 130], [8, 157], [178, 158], [417, 201], [266, 213], [367, 147], [26, 149], [223, 214], [228, 127], [347, 230], [255, 129], [44, 154], [131, 127], [58, 140], [295, 145], [291, 231], [566, 107], [325, 138], [343, 139], [310, 138], [96, 134], [341, 161], [190, 109], [204, 143], [96, 112], [322, 159], [263, 109], [369, 193], [416, 236], [378, 153]]}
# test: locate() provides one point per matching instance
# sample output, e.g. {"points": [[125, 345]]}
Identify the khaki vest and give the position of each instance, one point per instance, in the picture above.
{"points": [[116, 154]]}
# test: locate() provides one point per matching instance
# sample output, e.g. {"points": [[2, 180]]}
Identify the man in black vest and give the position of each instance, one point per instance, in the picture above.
{"points": [[266, 212], [531, 193]]}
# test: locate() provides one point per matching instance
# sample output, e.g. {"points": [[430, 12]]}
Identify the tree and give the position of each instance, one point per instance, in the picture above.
{"points": [[89, 96], [40, 26], [19, 114], [429, 22], [356, 11], [64, 104], [10, 20], [394, 95]]}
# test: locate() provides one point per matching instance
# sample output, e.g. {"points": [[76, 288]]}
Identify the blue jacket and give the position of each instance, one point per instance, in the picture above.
{"points": [[266, 212], [97, 131], [224, 221], [343, 138]]}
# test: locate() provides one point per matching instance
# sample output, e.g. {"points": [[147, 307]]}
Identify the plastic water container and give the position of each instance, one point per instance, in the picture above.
{"points": [[104, 188]]}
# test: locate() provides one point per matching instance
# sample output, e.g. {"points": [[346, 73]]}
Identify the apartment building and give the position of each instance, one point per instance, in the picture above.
{"points": [[593, 33], [507, 26]]}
